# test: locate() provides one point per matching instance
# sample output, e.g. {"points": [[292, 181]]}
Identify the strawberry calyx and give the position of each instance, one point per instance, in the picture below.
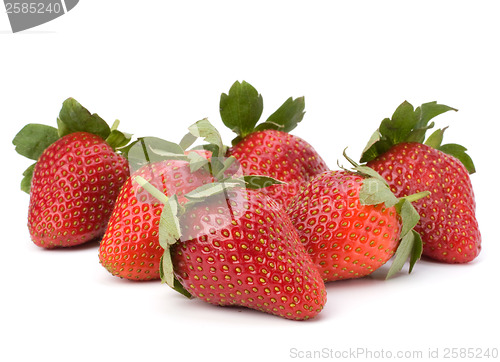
{"points": [[374, 191], [241, 110], [32, 140], [154, 150], [409, 124]]}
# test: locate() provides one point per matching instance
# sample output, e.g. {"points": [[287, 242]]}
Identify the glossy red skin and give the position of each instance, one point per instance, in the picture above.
{"points": [[448, 225], [74, 187], [248, 257], [344, 238], [282, 156], [130, 248]]}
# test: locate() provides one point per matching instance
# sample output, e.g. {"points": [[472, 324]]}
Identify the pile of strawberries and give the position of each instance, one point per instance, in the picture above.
{"points": [[261, 224]]}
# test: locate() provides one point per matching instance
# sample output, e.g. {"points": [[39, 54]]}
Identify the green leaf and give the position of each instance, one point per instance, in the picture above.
{"points": [[458, 152], [180, 289], [164, 150], [436, 138], [374, 138], [428, 111], [452, 148], [375, 147], [73, 117], [169, 228], [398, 128], [416, 251], [187, 141], [411, 242], [221, 165], [28, 176], [211, 189], [209, 133], [258, 182], [236, 140], [196, 161], [286, 117], [167, 268], [374, 192], [403, 252], [125, 150], [418, 134], [33, 139], [118, 139], [152, 149], [241, 108], [409, 216]]}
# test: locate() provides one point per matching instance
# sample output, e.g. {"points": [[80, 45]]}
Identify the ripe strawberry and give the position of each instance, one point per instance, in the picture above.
{"points": [[76, 179], [232, 246], [240, 248], [268, 149], [130, 248], [350, 224], [448, 225]]}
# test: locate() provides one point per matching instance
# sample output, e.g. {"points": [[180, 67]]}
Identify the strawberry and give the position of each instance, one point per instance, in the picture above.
{"points": [[351, 224], [240, 248], [268, 149], [130, 247], [76, 179], [229, 245], [399, 152]]}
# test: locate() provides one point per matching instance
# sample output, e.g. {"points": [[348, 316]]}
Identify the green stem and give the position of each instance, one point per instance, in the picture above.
{"points": [[115, 125], [145, 150]]}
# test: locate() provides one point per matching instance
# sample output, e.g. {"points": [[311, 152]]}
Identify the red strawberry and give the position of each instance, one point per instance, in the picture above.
{"points": [[350, 231], [74, 183], [240, 248], [268, 149], [232, 246], [130, 248], [448, 225]]}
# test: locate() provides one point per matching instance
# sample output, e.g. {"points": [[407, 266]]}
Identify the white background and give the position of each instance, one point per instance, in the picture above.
{"points": [[159, 66]]}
